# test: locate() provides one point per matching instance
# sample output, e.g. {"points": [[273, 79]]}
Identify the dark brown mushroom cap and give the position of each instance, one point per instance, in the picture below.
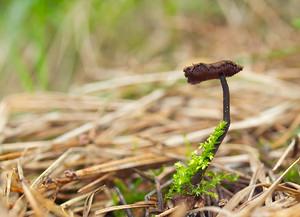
{"points": [[202, 71]]}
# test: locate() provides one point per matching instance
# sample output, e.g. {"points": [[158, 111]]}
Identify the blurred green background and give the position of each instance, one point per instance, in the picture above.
{"points": [[53, 44]]}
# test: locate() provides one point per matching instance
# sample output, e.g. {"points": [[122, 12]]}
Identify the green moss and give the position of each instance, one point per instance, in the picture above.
{"points": [[184, 173], [293, 175], [212, 179]]}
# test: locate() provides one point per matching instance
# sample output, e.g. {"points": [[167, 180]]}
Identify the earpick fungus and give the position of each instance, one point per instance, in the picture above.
{"points": [[188, 178]]}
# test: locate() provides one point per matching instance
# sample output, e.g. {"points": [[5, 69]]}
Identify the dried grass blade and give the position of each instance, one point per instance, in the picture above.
{"points": [[268, 116], [55, 165], [284, 155], [122, 207], [260, 200]]}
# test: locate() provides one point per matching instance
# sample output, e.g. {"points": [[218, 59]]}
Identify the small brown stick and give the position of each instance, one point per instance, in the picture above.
{"points": [[144, 175], [54, 165], [148, 196], [296, 147], [94, 183], [166, 184], [123, 201], [160, 200]]}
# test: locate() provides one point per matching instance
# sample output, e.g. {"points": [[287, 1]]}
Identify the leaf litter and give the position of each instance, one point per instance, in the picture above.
{"points": [[64, 153]]}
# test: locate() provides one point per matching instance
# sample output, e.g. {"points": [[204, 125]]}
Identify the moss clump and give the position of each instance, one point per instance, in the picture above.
{"points": [[212, 179], [184, 173]]}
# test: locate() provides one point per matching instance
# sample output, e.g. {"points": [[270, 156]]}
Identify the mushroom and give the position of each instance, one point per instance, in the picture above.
{"points": [[219, 70]]}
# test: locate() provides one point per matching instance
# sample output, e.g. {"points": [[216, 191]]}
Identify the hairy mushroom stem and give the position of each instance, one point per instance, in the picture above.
{"points": [[226, 110], [226, 117], [226, 105]]}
